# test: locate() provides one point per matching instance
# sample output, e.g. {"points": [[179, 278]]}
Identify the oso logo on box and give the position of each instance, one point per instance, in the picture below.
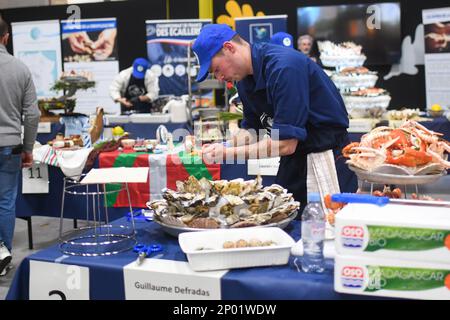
{"points": [[352, 277], [352, 236]]}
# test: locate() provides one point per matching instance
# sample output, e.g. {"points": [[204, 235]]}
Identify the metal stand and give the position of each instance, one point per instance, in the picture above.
{"points": [[381, 178], [97, 239], [372, 184]]}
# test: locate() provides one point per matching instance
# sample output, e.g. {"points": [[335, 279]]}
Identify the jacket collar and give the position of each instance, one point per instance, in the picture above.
{"points": [[257, 63]]}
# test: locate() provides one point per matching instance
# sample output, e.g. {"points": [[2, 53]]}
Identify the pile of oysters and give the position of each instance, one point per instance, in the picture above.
{"points": [[223, 204]]}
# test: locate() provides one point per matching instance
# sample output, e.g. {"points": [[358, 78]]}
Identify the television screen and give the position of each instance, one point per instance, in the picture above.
{"points": [[374, 26]]}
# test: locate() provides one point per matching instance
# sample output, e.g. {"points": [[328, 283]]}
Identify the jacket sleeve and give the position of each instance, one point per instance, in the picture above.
{"points": [[31, 114], [152, 85], [250, 119], [290, 96], [116, 86]]}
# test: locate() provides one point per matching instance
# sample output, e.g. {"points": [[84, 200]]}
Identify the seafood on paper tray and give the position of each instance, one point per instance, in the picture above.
{"points": [[403, 114], [411, 147], [223, 204]]}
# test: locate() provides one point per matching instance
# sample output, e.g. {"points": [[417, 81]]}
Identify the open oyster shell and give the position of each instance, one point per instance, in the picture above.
{"points": [[221, 204]]}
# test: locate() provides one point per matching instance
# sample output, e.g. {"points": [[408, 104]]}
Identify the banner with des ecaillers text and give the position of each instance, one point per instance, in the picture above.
{"points": [[167, 50], [38, 45], [90, 45], [437, 55]]}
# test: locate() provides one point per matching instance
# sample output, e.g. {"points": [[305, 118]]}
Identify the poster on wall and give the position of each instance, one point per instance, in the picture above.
{"points": [[260, 29], [37, 44], [89, 46], [437, 56], [167, 45]]}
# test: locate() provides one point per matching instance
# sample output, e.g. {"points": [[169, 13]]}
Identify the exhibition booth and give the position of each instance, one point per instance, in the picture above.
{"points": [[155, 219]]}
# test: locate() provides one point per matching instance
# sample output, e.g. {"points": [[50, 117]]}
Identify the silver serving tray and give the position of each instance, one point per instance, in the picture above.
{"points": [[401, 179], [176, 230]]}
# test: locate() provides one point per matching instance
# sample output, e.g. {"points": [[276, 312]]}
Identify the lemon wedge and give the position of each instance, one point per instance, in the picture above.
{"points": [[118, 131], [436, 107]]}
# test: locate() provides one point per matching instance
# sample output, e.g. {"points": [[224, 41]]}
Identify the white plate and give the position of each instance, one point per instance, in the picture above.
{"points": [[401, 179], [175, 230]]}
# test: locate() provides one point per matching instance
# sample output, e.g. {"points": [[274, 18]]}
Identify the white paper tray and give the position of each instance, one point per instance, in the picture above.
{"points": [[149, 118], [113, 119], [214, 257]]}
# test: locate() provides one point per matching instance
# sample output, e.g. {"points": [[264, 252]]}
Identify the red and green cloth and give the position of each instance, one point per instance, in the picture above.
{"points": [[164, 171]]}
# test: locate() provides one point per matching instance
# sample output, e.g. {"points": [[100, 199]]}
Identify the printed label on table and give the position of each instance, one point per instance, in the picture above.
{"points": [[167, 279], [264, 167], [53, 281], [44, 127], [35, 179]]}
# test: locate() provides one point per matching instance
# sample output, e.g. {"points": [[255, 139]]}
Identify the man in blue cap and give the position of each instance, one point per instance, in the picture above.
{"points": [[283, 39], [135, 88], [288, 95]]}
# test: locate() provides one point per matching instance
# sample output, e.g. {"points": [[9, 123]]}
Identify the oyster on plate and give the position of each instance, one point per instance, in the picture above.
{"points": [[223, 204]]}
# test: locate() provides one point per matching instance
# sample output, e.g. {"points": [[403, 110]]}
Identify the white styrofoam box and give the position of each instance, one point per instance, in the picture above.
{"points": [[329, 252], [115, 118], [212, 256], [149, 118], [391, 278], [397, 231]]}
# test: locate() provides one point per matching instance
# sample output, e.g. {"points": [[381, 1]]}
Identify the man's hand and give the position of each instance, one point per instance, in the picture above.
{"points": [[213, 153], [27, 159], [80, 42], [243, 137], [104, 45], [125, 102]]}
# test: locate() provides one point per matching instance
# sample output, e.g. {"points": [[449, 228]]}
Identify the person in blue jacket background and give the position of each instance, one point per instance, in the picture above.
{"points": [[283, 39], [286, 94]]}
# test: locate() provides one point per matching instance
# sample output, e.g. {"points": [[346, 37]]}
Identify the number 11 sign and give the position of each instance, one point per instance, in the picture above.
{"points": [[35, 179]]}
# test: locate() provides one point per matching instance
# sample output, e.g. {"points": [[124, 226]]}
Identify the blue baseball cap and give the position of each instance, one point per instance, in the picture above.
{"points": [[208, 43], [283, 39], [140, 66]]}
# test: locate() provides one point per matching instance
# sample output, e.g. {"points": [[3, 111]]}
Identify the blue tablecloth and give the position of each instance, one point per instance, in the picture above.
{"points": [[107, 280], [147, 130], [50, 204]]}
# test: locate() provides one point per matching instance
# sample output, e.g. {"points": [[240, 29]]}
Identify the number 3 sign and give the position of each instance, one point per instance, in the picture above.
{"points": [[55, 281], [35, 179]]}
